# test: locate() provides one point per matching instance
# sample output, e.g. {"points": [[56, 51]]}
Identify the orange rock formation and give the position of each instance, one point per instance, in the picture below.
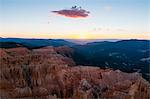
{"points": [[49, 73]]}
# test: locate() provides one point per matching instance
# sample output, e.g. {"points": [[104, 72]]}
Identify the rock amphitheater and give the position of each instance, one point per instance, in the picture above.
{"points": [[50, 73]]}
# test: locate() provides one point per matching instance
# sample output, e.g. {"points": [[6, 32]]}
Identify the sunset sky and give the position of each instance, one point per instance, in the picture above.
{"points": [[105, 19]]}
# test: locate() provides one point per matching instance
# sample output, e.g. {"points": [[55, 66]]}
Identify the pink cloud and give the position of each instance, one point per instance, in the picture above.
{"points": [[74, 12]]}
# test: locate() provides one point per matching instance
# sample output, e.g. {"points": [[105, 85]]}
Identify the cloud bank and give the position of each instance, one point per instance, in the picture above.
{"points": [[73, 12]]}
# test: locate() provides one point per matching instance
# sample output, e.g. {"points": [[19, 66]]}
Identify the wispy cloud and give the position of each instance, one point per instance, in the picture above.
{"points": [[110, 30], [73, 12]]}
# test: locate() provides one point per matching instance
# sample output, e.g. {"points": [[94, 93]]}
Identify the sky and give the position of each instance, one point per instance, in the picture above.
{"points": [[96, 19]]}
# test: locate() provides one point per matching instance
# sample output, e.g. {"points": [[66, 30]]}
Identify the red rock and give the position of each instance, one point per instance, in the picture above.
{"points": [[47, 73]]}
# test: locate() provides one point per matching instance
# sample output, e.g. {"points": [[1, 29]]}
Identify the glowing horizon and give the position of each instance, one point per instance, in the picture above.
{"points": [[145, 36]]}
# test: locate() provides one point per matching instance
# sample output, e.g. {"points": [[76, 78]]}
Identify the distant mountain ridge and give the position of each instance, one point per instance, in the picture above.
{"points": [[33, 43], [85, 41]]}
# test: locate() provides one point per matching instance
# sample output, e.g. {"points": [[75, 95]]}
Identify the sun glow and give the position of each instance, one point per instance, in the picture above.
{"points": [[82, 36]]}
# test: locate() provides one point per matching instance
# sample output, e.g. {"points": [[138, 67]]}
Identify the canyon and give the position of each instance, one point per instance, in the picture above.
{"points": [[51, 73]]}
